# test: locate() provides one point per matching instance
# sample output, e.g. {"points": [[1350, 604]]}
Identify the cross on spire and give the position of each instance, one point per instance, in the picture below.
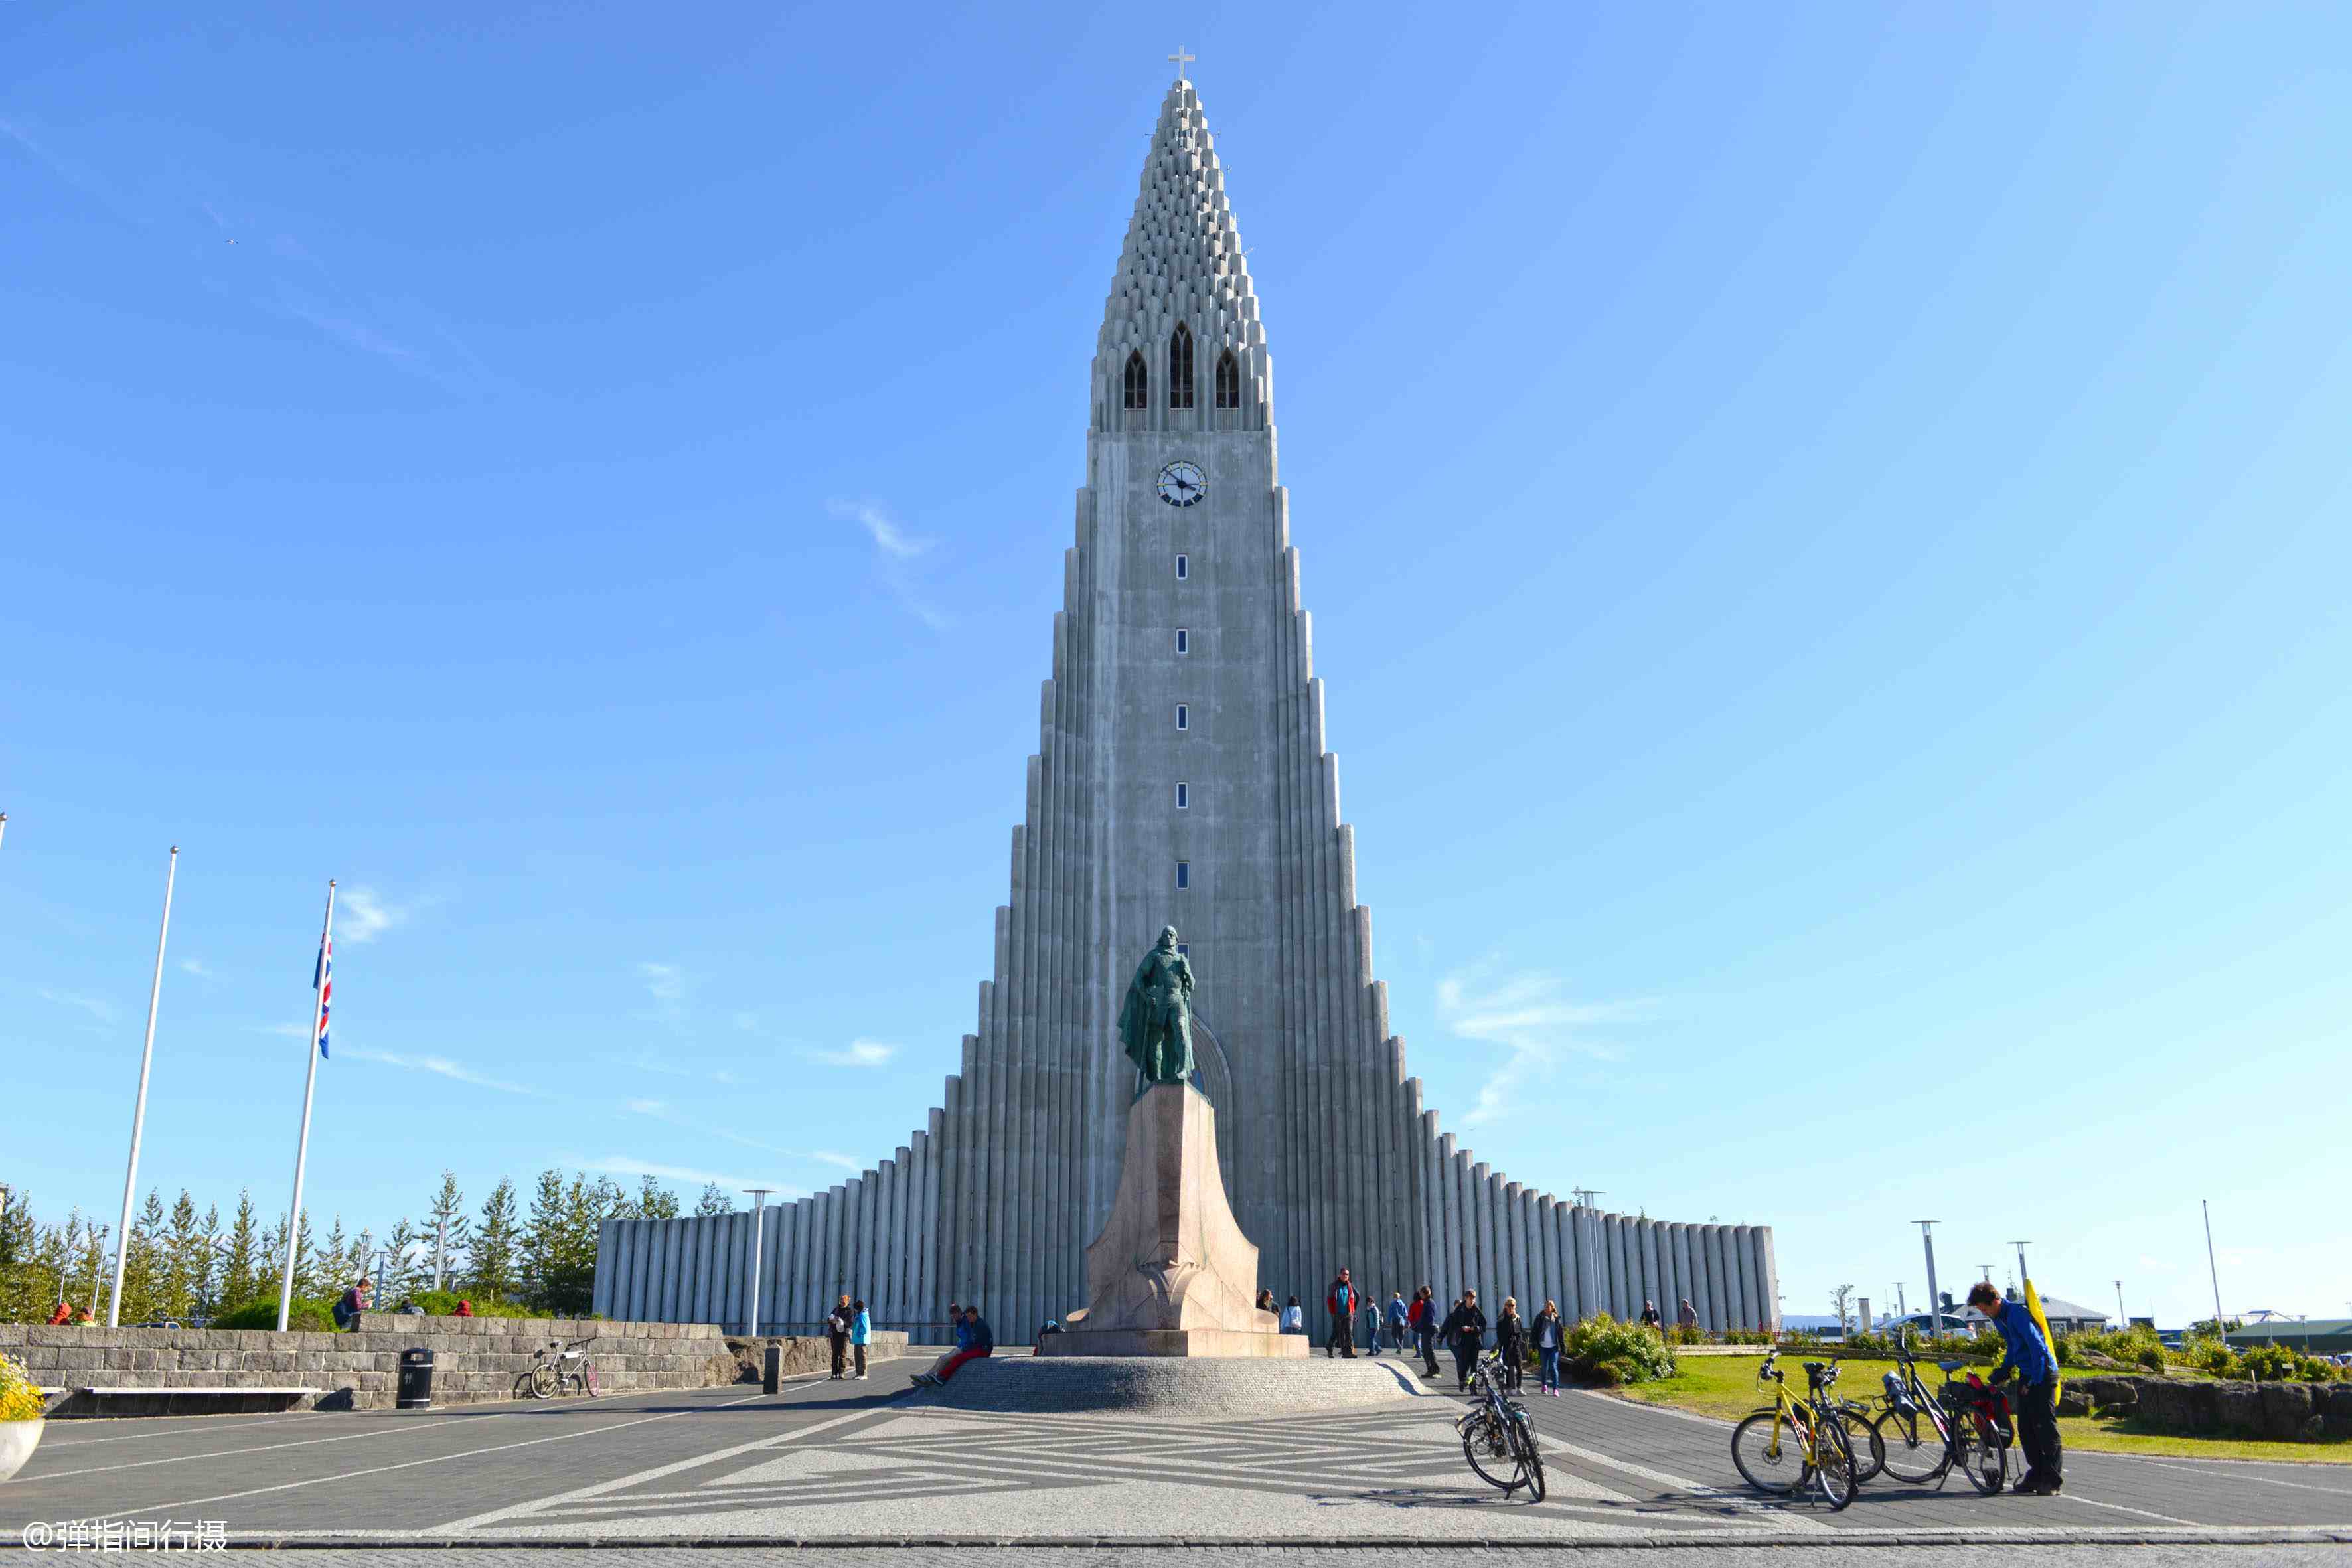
{"points": [[1182, 60]]}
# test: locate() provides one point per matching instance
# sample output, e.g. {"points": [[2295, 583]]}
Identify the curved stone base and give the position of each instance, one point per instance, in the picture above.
{"points": [[1205, 1388]]}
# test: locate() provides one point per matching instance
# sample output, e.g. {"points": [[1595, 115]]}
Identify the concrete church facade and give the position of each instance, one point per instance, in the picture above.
{"points": [[1181, 778]]}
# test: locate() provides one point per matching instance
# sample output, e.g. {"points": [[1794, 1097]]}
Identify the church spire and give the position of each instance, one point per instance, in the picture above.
{"points": [[1182, 264]]}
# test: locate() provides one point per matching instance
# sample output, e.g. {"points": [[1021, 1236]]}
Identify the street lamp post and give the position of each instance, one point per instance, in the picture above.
{"points": [[2122, 1323], [1935, 1300], [2210, 1267]]}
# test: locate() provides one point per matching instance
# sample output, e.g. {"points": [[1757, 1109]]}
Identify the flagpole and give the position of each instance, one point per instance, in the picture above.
{"points": [[309, 1083], [138, 1112]]}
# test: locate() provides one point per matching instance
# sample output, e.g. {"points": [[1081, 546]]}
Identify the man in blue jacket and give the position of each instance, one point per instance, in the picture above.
{"points": [[2026, 1354]]}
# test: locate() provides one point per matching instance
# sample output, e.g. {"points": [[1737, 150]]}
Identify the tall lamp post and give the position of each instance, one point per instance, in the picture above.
{"points": [[1935, 1300], [2211, 1268], [759, 1215], [2122, 1323]]}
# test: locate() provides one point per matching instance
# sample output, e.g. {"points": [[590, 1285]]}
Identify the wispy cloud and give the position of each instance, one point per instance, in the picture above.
{"points": [[97, 1007], [283, 1031], [363, 914], [895, 553], [196, 967], [646, 1061], [630, 1165], [1530, 1015], [858, 1054], [662, 1110], [441, 1065], [663, 979]]}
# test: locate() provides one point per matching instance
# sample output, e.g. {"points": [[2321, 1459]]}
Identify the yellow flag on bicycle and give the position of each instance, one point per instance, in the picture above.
{"points": [[2042, 1322]]}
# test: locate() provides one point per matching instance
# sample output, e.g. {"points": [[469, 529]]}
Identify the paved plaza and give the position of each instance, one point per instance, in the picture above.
{"points": [[855, 1464]]}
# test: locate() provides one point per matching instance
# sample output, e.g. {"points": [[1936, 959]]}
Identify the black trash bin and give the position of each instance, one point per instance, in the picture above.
{"points": [[416, 1382]]}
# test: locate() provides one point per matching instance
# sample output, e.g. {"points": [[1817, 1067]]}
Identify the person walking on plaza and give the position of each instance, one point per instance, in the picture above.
{"points": [[1547, 1335], [1687, 1316], [1423, 1318], [2027, 1354], [861, 1333], [1372, 1323], [1650, 1319], [1400, 1324], [1511, 1339], [1294, 1318], [1341, 1304], [837, 1324], [1464, 1332]]}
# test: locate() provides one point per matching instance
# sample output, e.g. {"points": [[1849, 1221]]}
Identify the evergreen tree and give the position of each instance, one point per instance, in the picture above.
{"points": [[241, 1258], [653, 1201], [448, 1230], [142, 1265], [399, 1264], [325, 1273], [208, 1245], [714, 1202], [494, 1261], [185, 1271]]}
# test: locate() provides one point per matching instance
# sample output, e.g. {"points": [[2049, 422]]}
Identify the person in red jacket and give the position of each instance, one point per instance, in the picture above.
{"points": [[64, 1314], [1342, 1303], [1424, 1318]]}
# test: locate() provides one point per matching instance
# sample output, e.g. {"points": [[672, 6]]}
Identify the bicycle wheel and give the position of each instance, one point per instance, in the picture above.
{"points": [[1983, 1459], [1531, 1456], [542, 1381], [1488, 1446], [1833, 1463], [1869, 1452], [1770, 1458], [588, 1377], [1909, 1447]]}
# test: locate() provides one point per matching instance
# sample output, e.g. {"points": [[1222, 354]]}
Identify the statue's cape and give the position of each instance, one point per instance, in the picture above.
{"points": [[1130, 1013]]}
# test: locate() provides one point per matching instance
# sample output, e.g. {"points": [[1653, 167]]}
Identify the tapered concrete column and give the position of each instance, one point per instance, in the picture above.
{"points": [[1722, 1286], [1515, 1269], [1678, 1238], [1751, 1307], [1768, 1269], [1547, 1243], [1653, 1276]]}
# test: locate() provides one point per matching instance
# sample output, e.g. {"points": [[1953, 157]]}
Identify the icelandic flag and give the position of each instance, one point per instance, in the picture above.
{"points": [[323, 981]]}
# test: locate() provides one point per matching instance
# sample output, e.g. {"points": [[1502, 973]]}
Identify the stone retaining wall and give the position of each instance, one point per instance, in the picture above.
{"points": [[2282, 1412], [476, 1360]]}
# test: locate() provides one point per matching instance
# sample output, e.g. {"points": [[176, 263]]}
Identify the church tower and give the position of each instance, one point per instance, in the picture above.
{"points": [[1180, 779]]}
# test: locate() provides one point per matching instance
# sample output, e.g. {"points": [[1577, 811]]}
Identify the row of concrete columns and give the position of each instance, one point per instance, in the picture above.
{"points": [[1482, 1231]]}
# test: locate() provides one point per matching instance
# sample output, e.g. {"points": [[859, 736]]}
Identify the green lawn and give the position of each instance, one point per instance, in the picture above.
{"points": [[1727, 1386]]}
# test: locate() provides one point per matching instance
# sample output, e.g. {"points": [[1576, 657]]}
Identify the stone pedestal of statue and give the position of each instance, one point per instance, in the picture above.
{"points": [[1172, 1274]]}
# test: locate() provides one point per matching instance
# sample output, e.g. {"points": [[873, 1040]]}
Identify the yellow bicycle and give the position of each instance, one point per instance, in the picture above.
{"points": [[1797, 1441]]}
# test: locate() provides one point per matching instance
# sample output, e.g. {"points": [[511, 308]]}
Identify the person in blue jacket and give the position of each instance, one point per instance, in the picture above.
{"points": [[861, 1334], [2026, 1355]]}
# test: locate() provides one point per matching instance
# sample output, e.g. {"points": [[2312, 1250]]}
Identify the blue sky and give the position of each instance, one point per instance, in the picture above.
{"points": [[1826, 531]]}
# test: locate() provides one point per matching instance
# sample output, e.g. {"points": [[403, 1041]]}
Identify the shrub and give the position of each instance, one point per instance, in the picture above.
{"points": [[20, 1396], [1602, 1350], [443, 1304], [1745, 1337], [306, 1316]]}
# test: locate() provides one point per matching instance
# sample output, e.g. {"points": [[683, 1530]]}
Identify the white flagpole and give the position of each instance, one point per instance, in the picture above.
{"points": [[310, 1082], [138, 1112]]}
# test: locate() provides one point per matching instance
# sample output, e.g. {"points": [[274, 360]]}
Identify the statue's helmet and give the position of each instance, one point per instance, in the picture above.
{"points": [[1168, 936]]}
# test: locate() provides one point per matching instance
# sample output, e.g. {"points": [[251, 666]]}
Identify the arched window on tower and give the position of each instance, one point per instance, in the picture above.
{"points": [[1138, 381], [1229, 380], [1180, 367]]}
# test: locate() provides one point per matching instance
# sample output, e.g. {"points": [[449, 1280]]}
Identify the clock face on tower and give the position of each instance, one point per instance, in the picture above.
{"points": [[1181, 484]]}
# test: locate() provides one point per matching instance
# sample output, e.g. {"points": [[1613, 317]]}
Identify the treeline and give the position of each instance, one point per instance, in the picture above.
{"points": [[190, 1267]]}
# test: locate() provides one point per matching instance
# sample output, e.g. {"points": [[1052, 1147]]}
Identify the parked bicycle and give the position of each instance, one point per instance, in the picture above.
{"points": [[1496, 1436], [1926, 1435], [1797, 1442], [561, 1368]]}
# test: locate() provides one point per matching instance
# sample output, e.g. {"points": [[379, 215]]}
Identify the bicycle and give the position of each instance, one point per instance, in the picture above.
{"points": [[1859, 1419], [570, 1372], [1926, 1436], [1495, 1433], [1817, 1450]]}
